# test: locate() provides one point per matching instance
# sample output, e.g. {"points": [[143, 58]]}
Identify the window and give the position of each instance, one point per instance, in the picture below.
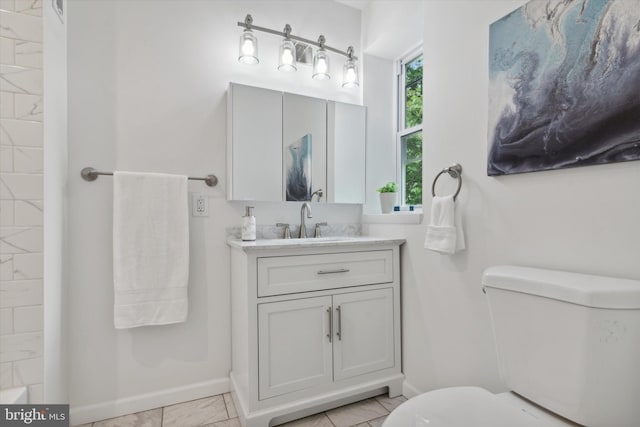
{"points": [[409, 137]]}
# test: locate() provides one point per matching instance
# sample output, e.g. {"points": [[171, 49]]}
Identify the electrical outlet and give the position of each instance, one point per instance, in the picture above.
{"points": [[199, 205]]}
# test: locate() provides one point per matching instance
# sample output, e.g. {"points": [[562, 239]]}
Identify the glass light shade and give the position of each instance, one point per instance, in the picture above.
{"points": [[287, 60], [350, 74], [248, 53], [321, 65]]}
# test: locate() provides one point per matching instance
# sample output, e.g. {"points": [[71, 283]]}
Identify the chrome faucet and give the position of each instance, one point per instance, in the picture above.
{"points": [[303, 228]]}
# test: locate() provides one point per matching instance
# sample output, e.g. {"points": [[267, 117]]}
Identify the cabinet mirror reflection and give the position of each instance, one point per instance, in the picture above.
{"points": [[287, 147]]}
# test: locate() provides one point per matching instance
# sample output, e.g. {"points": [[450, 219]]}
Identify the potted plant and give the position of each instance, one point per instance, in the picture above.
{"points": [[388, 196]]}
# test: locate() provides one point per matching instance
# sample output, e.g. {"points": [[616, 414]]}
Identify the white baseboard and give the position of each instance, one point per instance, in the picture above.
{"points": [[409, 390], [143, 402]]}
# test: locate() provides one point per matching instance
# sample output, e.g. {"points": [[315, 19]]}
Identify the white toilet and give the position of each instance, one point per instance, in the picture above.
{"points": [[568, 344]]}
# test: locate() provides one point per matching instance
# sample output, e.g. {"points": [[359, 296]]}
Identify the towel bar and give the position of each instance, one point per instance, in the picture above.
{"points": [[455, 171], [90, 174]]}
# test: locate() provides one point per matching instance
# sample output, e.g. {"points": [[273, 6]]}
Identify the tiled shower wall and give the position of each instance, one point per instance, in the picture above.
{"points": [[21, 194]]}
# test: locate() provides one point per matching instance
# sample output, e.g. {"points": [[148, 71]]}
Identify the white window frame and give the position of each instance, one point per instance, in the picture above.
{"points": [[401, 131]]}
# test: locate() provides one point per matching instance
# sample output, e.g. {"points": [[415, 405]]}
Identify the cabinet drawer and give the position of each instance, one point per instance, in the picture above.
{"points": [[304, 273]]}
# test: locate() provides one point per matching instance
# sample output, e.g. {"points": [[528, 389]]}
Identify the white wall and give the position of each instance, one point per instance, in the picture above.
{"points": [[582, 219], [55, 199], [147, 86]]}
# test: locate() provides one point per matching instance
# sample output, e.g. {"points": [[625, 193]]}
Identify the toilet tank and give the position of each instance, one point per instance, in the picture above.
{"points": [[569, 342]]}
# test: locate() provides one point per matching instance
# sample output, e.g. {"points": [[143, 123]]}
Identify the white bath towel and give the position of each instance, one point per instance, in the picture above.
{"points": [[444, 232], [150, 249]]}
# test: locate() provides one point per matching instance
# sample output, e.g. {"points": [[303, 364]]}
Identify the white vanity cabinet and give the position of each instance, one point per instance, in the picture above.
{"points": [[314, 326]]}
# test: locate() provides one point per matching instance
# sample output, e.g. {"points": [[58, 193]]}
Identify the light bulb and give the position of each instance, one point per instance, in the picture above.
{"points": [[248, 48], [322, 66], [287, 57]]}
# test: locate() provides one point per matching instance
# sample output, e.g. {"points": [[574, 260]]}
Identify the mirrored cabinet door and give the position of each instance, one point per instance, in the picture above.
{"points": [[286, 147], [346, 152], [254, 147], [304, 146]]}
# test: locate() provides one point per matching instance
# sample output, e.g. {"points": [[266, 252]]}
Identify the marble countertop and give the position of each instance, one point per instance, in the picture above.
{"points": [[312, 242]]}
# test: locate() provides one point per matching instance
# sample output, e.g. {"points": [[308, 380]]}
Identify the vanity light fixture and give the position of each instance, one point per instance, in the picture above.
{"points": [[321, 62], [287, 58], [248, 44], [350, 71], [287, 55]]}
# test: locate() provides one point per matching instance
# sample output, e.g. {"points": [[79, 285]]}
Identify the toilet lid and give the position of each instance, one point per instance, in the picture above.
{"points": [[462, 407]]}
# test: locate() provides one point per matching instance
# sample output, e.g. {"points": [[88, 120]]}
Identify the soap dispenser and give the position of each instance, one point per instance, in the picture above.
{"points": [[248, 225]]}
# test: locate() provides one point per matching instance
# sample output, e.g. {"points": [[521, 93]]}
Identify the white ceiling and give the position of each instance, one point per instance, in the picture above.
{"points": [[357, 4]]}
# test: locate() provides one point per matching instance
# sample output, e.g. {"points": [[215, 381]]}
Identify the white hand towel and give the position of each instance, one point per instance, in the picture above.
{"points": [[444, 232], [150, 249]]}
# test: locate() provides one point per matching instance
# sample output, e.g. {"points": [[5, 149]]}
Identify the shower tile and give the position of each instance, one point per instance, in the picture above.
{"points": [[7, 110], [19, 240], [7, 5], [22, 346], [28, 212], [28, 266], [6, 375], [6, 160], [28, 371], [21, 186], [7, 50], [28, 107], [27, 159], [28, 54], [20, 79], [20, 293], [195, 413], [152, 418], [21, 132], [6, 321], [30, 7], [28, 319], [6, 267], [20, 26], [355, 413]]}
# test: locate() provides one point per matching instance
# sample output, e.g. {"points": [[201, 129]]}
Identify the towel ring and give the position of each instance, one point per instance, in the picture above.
{"points": [[455, 171]]}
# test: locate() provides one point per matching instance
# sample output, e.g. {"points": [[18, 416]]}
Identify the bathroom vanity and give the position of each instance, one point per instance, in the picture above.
{"points": [[315, 325]]}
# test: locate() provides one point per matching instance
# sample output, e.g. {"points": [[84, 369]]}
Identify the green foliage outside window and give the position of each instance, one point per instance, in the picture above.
{"points": [[412, 143], [413, 168]]}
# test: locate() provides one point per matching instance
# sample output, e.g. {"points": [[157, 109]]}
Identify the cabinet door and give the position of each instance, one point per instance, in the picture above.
{"points": [[304, 145], [346, 152], [363, 338], [254, 148], [294, 348]]}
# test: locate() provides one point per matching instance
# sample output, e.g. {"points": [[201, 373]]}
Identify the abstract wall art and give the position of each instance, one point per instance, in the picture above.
{"points": [[298, 169], [564, 85]]}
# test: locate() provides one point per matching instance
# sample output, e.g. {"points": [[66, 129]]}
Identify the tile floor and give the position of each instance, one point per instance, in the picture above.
{"points": [[219, 411]]}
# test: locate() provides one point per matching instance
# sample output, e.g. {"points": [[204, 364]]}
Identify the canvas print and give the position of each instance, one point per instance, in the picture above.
{"points": [[564, 87], [298, 169]]}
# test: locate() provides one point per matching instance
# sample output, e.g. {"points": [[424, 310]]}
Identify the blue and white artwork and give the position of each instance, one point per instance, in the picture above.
{"points": [[298, 169], [564, 87]]}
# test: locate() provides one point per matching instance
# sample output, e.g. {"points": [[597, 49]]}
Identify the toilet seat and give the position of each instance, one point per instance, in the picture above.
{"points": [[464, 407]]}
